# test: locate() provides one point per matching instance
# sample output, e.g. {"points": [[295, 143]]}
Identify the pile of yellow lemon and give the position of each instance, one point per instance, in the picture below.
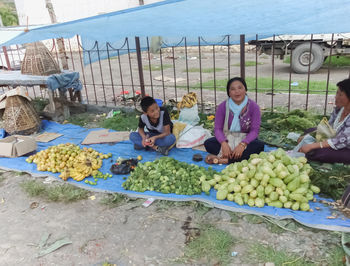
{"points": [[69, 160]]}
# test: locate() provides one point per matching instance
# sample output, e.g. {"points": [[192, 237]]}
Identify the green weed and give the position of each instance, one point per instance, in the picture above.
{"points": [[336, 256], [204, 70], [122, 122], [262, 254], [157, 67], [2, 179], [39, 103], [213, 245], [82, 119], [249, 63], [279, 86], [113, 200], [61, 193]]}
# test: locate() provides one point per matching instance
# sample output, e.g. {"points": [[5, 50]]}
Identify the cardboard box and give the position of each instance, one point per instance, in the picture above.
{"points": [[16, 145]]}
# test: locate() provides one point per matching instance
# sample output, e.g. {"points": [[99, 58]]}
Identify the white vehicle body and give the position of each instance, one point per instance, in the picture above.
{"points": [[299, 46]]}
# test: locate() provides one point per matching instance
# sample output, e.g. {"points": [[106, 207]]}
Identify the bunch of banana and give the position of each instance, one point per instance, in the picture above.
{"points": [[188, 101], [76, 174]]}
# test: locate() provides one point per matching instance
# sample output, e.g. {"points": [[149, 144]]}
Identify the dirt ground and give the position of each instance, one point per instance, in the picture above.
{"points": [[131, 234]]}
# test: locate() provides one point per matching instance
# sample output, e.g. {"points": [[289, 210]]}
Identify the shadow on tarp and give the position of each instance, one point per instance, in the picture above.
{"points": [[76, 134]]}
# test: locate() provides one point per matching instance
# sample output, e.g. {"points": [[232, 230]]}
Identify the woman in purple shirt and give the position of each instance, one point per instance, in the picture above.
{"points": [[336, 149], [237, 124]]}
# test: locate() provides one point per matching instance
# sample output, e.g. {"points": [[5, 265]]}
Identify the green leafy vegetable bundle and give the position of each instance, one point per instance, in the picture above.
{"points": [[168, 175]]}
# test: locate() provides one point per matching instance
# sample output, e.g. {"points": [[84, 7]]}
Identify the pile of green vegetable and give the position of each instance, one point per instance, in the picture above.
{"points": [[276, 126], [168, 175], [273, 178]]}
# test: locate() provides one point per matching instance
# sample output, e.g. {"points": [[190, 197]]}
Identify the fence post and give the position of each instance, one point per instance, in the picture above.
{"points": [[242, 55], [6, 57], [139, 64]]}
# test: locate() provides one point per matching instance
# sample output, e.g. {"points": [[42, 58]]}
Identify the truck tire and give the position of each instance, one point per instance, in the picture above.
{"points": [[300, 58]]}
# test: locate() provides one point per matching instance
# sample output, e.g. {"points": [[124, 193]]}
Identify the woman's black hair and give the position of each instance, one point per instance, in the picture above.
{"points": [[232, 80], [344, 86], [146, 102]]}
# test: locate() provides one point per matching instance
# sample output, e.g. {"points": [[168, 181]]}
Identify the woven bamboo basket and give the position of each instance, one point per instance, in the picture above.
{"points": [[38, 61], [20, 116]]}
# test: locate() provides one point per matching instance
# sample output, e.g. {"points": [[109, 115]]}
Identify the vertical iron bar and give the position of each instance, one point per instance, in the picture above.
{"points": [[161, 68], [228, 58], [130, 67], [150, 67], [200, 72], [187, 75], [18, 53], [6, 58], [82, 69], [54, 46], [99, 63], [273, 71], [328, 74], [92, 76], [214, 64], [308, 75], [290, 78], [2, 62], [139, 64], [174, 67], [121, 77], [110, 73], [11, 53], [71, 54], [242, 55], [34, 92], [256, 69]]}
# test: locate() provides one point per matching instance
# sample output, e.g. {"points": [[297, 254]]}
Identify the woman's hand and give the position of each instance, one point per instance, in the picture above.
{"points": [[307, 148], [226, 150], [300, 138], [237, 152]]}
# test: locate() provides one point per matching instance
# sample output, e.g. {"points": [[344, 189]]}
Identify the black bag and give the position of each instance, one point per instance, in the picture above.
{"points": [[345, 199], [124, 166]]}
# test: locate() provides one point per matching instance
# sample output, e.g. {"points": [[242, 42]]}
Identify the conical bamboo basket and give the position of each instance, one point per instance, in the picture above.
{"points": [[20, 116], [38, 61]]}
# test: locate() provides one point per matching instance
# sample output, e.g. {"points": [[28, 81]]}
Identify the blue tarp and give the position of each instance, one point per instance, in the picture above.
{"points": [[76, 134], [206, 18]]}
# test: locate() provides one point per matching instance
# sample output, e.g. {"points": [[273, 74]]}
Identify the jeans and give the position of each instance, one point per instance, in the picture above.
{"points": [[166, 141]]}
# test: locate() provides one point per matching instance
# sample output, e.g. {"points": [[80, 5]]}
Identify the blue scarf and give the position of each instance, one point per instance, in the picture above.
{"points": [[236, 109]]}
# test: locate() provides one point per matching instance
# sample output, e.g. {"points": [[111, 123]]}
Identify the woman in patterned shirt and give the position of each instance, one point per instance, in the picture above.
{"points": [[337, 149]]}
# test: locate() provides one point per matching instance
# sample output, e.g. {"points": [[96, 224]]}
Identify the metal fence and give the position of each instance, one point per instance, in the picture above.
{"points": [[132, 70]]}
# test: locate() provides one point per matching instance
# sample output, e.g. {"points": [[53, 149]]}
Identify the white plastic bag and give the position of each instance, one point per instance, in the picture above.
{"points": [[192, 136], [189, 115]]}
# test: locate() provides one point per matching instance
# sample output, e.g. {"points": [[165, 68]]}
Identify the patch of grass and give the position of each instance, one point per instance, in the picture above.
{"points": [[337, 61], [61, 193], [122, 122], [199, 207], [39, 103], [336, 256], [248, 63], [213, 245], [157, 67], [2, 179], [204, 70], [113, 200], [279, 86], [263, 254], [82, 119]]}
